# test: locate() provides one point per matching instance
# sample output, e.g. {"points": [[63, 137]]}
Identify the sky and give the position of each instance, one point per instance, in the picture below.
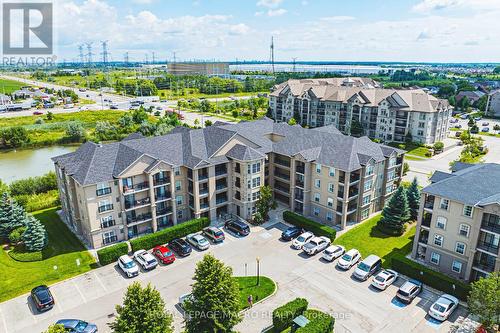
{"points": [[308, 30]]}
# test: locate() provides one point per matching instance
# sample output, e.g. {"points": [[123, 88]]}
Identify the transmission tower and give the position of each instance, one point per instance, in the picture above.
{"points": [[147, 59], [294, 61], [153, 57], [80, 53], [125, 57], [89, 53], [271, 49], [104, 53]]}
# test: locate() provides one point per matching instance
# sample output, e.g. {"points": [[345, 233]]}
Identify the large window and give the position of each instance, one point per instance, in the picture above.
{"points": [[332, 172], [329, 202], [329, 216], [460, 248], [317, 197], [330, 187], [456, 266], [316, 211], [253, 168], [255, 182], [369, 170], [178, 185], [318, 168], [179, 199], [317, 183], [444, 204], [464, 230], [441, 222], [438, 240], [468, 210], [435, 257], [366, 199], [368, 185]]}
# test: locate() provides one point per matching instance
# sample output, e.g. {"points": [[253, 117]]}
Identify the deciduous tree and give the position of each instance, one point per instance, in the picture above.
{"points": [[484, 301]]}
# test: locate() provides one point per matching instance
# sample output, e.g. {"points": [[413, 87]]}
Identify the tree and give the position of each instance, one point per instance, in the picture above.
{"points": [[395, 214], [496, 70], [208, 123], [264, 204], [438, 146], [12, 215], [143, 310], [75, 131], [35, 237], [496, 127], [356, 128], [50, 115], [484, 301], [196, 122], [292, 122], [56, 329], [214, 305], [14, 137], [413, 195], [406, 168]]}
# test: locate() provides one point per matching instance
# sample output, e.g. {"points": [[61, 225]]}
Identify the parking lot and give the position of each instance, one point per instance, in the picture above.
{"points": [[357, 307]]}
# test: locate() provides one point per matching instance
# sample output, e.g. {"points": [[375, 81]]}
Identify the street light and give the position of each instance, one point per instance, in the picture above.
{"points": [[258, 271]]}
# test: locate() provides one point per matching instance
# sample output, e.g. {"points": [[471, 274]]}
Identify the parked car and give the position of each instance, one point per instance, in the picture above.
{"points": [[485, 129], [214, 234], [457, 126], [69, 106], [443, 307], [384, 279], [291, 233], [128, 266], [37, 113], [316, 245], [302, 240], [181, 247], [333, 252], [478, 118], [145, 259], [113, 107], [77, 326], [453, 120], [409, 290], [163, 254], [369, 266], [485, 123], [464, 116], [238, 227], [349, 259], [42, 298], [198, 241]]}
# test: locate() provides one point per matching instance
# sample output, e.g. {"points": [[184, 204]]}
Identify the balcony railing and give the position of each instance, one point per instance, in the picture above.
{"points": [[161, 181], [491, 248], [282, 162], [204, 205], [103, 191], [139, 218], [490, 226], [163, 211], [484, 266], [299, 183], [137, 203], [220, 201], [164, 196], [282, 175], [282, 188], [426, 221], [203, 176], [135, 187], [300, 169], [203, 191], [105, 208], [219, 187], [220, 172]]}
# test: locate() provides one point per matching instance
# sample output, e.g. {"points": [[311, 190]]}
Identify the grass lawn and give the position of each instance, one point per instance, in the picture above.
{"points": [[193, 93], [9, 86], [248, 286], [63, 251], [411, 148], [369, 240]]}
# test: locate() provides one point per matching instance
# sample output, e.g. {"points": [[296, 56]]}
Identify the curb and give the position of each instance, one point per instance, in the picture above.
{"points": [[263, 299]]}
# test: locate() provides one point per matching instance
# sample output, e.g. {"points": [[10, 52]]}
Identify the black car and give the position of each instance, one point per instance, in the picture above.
{"points": [[291, 232], [180, 246], [42, 298], [238, 227]]}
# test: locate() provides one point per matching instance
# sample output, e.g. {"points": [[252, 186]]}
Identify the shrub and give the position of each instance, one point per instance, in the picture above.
{"points": [[284, 315], [16, 235], [438, 146], [34, 202], [319, 322], [111, 253], [166, 235], [34, 185], [430, 277], [316, 228]]}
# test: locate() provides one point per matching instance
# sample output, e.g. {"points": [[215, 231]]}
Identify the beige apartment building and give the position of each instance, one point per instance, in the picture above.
{"points": [[458, 230], [384, 114], [117, 191]]}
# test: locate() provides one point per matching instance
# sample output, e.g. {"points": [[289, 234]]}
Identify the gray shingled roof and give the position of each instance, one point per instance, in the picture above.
{"points": [[476, 185], [93, 163]]}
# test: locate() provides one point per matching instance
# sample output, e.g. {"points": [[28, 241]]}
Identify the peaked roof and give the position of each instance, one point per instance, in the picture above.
{"points": [[244, 153]]}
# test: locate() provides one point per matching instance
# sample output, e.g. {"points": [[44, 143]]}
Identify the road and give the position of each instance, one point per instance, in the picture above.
{"points": [[356, 306]]}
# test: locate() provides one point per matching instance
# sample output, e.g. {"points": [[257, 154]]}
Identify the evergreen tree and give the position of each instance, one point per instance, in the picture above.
{"points": [[12, 215], [143, 310], [395, 214], [413, 195], [214, 305], [35, 237]]}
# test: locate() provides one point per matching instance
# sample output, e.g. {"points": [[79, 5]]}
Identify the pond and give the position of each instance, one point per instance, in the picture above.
{"points": [[18, 164]]}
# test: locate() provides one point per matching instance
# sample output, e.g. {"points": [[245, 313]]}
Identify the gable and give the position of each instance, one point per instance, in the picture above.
{"points": [[237, 139], [139, 166]]}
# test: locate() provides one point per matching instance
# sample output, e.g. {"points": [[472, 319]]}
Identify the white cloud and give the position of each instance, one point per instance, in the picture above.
{"points": [[428, 5], [441, 5], [239, 29], [338, 18], [276, 12], [269, 3]]}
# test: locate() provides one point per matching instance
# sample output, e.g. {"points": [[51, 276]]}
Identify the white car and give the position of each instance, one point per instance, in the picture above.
{"points": [[128, 266], [333, 252], [198, 241], [384, 279], [145, 259], [316, 245], [349, 259], [443, 307], [302, 239]]}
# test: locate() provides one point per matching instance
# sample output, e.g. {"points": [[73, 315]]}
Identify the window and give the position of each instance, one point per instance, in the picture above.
{"points": [[456, 266], [177, 171], [392, 162], [316, 211], [329, 202], [369, 170], [237, 168], [179, 214], [391, 175], [388, 189], [329, 216], [254, 168], [317, 183], [178, 185], [367, 199], [444, 204], [438, 240], [330, 187], [420, 133], [365, 213], [441, 222], [102, 189], [179, 199], [255, 182], [368, 185], [464, 230], [460, 248], [107, 222], [255, 196], [332, 172], [317, 197], [435, 258], [318, 168], [249, 183], [468, 210], [109, 237]]}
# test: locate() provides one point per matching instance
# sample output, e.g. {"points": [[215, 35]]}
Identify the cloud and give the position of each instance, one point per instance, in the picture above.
{"points": [[429, 5], [423, 35], [338, 18], [239, 29], [276, 12], [426, 6], [269, 3]]}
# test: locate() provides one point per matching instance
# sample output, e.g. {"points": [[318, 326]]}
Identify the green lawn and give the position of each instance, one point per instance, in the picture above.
{"points": [[63, 251], [412, 148], [193, 93], [9, 86], [369, 240], [248, 286]]}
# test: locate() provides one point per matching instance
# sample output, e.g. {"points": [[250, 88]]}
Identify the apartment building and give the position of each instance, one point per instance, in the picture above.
{"points": [[493, 103], [385, 114], [458, 230], [121, 190]]}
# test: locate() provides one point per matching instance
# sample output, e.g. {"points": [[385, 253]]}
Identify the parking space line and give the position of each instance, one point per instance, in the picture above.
{"points": [[79, 291], [4, 322], [100, 282]]}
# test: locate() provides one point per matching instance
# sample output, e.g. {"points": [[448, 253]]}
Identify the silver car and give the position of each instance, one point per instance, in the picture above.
{"points": [[198, 241]]}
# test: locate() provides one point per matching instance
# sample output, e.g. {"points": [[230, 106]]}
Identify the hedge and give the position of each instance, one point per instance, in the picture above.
{"points": [[111, 253], [284, 315], [430, 277], [316, 228], [319, 322], [166, 235]]}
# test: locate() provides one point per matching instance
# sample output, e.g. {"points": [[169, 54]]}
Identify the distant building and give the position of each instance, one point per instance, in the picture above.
{"points": [[493, 104], [198, 68], [473, 96]]}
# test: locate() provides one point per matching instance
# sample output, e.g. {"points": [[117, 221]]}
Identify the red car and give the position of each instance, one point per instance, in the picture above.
{"points": [[164, 254], [37, 113]]}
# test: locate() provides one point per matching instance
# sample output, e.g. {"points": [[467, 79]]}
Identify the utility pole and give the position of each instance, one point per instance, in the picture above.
{"points": [[80, 51], [146, 59], [153, 57], [294, 61], [125, 58], [89, 53], [272, 53], [104, 52]]}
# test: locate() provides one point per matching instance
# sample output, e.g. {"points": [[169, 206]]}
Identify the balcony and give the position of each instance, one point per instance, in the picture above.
{"points": [[491, 223], [204, 191], [429, 202], [204, 205], [161, 181], [423, 236], [103, 191], [282, 162], [105, 208], [351, 208], [136, 187], [220, 201], [354, 177], [220, 186], [488, 247], [163, 196], [282, 175], [137, 203], [220, 170], [300, 168], [486, 267], [139, 218], [163, 211], [426, 220], [202, 176], [281, 188], [353, 192], [299, 182]]}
